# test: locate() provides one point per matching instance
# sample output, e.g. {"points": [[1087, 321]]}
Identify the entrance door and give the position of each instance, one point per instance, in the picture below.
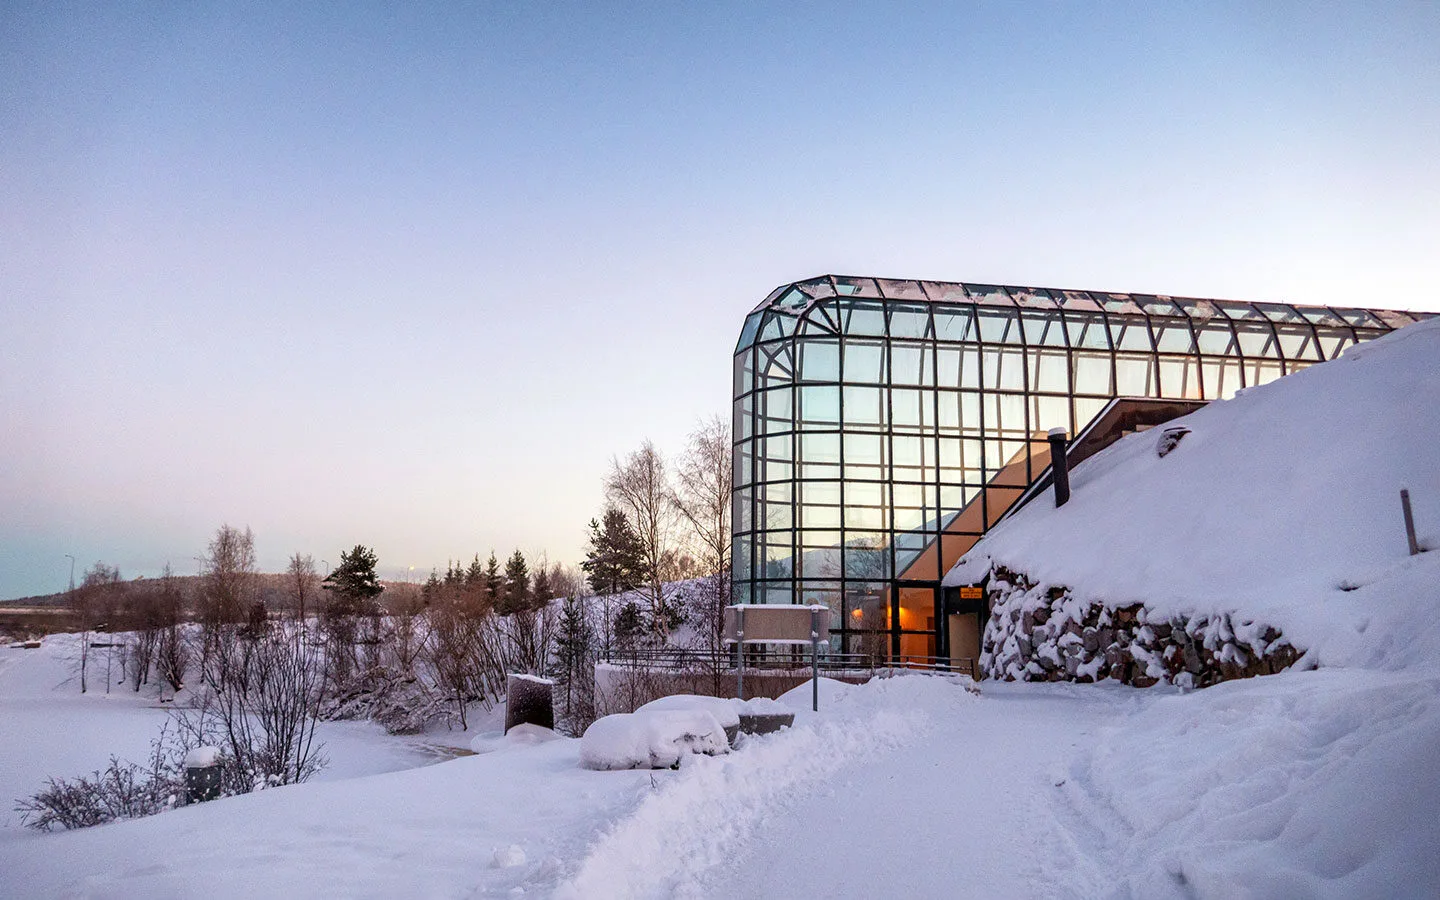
{"points": [[964, 632], [913, 630]]}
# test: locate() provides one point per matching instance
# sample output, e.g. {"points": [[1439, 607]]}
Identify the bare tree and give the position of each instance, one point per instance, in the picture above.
{"points": [[172, 651], [302, 583], [90, 603], [703, 486], [640, 488], [228, 590]]}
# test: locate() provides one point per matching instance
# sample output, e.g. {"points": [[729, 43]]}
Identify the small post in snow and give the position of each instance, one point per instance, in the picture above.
{"points": [[1059, 466], [1409, 522], [740, 652], [814, 659]]}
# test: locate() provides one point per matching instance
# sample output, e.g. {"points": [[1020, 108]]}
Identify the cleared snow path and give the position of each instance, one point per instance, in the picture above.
{"points": [[910, 787]]}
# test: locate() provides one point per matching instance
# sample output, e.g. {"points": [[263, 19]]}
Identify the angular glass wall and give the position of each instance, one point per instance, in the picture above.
{"points": [[882, 426]]}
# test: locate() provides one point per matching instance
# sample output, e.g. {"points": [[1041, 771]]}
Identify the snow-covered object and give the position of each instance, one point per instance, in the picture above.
{"points": [[1279, 509], [726, 710], [654, 739], [202, 758], [531, 734], [508, 857], [800, 697]]}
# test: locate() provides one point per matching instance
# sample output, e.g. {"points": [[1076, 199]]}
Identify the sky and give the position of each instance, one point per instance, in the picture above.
{"points": [[411, 275]]}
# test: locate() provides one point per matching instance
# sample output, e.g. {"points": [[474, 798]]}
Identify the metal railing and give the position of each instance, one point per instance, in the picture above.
{"points": [[677, 659]]}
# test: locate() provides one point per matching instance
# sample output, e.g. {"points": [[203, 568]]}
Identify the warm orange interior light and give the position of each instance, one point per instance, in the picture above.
{"points": [[855, 613]]}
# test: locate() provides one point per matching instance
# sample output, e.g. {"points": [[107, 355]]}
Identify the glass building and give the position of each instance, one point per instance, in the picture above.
{"points": [[881, 426]]}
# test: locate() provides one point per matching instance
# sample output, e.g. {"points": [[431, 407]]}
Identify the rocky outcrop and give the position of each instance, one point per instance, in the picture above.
{"points": [[1044, 633]]}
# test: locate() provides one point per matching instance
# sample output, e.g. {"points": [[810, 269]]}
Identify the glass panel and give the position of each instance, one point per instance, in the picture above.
{"points": [[911, 410], [1216, 338], [1003, 368], [1042, 330], [744, 372], [909, 320], [865, 361], [1135, 376], [1197, 309], [864, 406], [777, 364], [820, 516], [1222, 378], [1319, 315], [793, 299], [867, 556], [819, 359], [821, 318], [776, 410], [1035, 298], [855, 287], [1297, 342], [818, 288], [1156, 306], [954, 323], [1180, 377], [777, 325], [820, 404], [1086, 409], [1048, 371], [1333, 341], [1050, 412], [945, 292], [988, 294], [863, 318], [958, 366], [901, 290], [1261, 371], [1117, 303], [1241, 312], [911, 364], [1088, 332], [1256, 339], [1130, 333], [1172, 336], [997, 327], [1077, 300], [747, 333], [1280, 312], [1092, 372]]}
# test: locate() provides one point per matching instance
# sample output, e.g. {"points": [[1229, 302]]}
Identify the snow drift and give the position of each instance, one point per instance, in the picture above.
{"points": [[1279, 509]]}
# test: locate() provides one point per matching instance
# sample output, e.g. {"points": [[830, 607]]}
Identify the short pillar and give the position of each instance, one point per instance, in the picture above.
{"points": [[1059, 466], [202, 774], [1412, 544], [529, 700]]}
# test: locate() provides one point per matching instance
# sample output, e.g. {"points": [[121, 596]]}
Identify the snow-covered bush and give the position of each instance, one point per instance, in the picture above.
{"points": [[122, 791], [654, 739]]}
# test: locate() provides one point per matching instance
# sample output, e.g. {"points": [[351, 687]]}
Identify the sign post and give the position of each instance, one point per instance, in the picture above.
{"points": [[760, 623]]}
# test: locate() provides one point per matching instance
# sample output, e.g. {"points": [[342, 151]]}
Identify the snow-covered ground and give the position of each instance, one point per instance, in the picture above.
{"points": [[1321, 783]]}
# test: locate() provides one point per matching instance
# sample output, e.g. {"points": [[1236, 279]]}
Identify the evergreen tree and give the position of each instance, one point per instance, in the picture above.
{"points": [[630, 624], [516, 597], [494, 581], [543, 590], [353, 585], [574, 663], [615, 561], [475, 574]]}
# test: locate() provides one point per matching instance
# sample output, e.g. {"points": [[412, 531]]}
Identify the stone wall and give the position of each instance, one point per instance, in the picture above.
{"points": [[1043, 633]]}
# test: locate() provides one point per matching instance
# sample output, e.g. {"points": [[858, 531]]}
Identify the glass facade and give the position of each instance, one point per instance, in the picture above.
{"points": [[881, 426]]}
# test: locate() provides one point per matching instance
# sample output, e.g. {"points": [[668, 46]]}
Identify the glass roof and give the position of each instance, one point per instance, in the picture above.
{"points": [[794, 299]]}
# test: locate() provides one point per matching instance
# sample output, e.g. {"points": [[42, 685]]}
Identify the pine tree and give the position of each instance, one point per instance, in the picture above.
{"points": [[615, 561], [516, 596], [574, 667], [353, 585], [494, 581], [630, 624]]}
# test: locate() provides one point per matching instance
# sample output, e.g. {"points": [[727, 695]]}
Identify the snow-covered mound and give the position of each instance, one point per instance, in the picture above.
{"points": [[1280, 507], [653, 739]]}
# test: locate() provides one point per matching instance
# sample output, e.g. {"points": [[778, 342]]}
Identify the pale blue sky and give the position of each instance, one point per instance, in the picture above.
{"points": [[410, 278]]}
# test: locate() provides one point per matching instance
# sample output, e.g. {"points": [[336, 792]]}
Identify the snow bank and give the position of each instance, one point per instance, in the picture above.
{"points": [[654, 739], [725, 710], [1280, 507]]}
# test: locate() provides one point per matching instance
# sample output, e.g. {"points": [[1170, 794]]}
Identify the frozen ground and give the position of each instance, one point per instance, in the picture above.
{"points": [[1281, 504], [1307, 784]]}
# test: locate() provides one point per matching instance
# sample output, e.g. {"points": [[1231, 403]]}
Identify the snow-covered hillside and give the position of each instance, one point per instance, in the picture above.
{"points": [[1281, 507]]}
